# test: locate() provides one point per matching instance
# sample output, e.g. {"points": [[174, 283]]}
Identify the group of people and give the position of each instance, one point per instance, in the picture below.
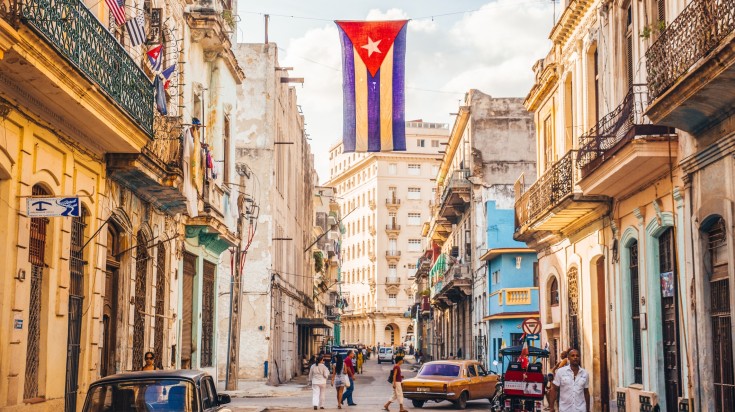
{"points": [[342, 378]]}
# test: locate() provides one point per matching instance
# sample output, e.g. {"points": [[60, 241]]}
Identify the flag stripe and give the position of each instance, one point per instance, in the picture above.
{"points": [[136, 30], [348, 98], [373, 115], [361, 104], [386, 103], [118, 12], [399, 92]]}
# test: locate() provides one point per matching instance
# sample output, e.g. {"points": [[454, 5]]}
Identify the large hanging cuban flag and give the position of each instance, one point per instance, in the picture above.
{"points": [[373, 70]]}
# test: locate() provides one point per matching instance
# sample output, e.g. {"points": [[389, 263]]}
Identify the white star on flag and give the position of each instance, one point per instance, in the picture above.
{"points": [[372, 46]]}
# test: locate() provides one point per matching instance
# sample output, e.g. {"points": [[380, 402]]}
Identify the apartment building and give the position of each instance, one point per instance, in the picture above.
{"points": [[278, 285], [384, 200]]}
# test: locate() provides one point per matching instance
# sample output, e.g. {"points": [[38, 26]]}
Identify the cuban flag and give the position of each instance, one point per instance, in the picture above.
{"points": [[373, 70], [155, 58]]}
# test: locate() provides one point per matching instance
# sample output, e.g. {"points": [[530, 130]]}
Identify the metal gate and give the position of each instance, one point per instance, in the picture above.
{"points": [[720, 319], [141, 280], [161, 282], [76, 298], [36, 257], [207, 313], [573, 299], [670, 319]]}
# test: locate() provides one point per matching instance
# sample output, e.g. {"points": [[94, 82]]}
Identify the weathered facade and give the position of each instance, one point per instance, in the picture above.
{"points": [[489, 145], [279, 269]]}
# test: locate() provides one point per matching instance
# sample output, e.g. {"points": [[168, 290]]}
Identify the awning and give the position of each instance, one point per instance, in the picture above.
{"points": [[316, 323]]}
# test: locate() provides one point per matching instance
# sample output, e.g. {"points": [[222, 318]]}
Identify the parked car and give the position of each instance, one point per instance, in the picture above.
{"points": [[385, 354], [455, 381], [156, 391]]}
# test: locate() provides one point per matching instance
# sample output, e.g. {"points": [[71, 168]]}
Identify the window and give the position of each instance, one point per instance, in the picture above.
{"points": [[392, 271], [629, 46], [434, 170], [421, 143], [414, 193], [720, 315], [392, 169], [414, 169], [414, 219], [548, 143], [635, 312], [411, 270], [434, 143], [392, 299], [516, 339], [392, 218], [392, 245], [414, 245], [554, 292]]}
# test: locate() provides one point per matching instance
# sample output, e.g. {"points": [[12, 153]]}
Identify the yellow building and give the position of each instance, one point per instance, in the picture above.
{"points": [[606, 211]]}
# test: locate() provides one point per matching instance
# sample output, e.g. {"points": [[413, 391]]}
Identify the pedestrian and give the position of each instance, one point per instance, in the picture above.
{"points": [[397, 388], [451, 355], [350, 372], [459, 353], [150, 361], [571, 386], [338, 378], [360, 360], [318, 375]]}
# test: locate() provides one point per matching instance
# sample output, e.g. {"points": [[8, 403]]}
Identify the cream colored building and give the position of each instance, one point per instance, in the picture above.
{"points": [[384, 199]]}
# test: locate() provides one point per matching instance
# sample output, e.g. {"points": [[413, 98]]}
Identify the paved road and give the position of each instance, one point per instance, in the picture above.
{"points": [[371, 391]]}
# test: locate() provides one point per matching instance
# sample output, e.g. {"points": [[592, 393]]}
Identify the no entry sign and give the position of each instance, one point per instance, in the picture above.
{"points": [[531, 326]]}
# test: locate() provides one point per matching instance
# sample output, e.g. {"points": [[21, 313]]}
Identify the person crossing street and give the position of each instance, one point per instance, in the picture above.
{"points": [[350, 372]]}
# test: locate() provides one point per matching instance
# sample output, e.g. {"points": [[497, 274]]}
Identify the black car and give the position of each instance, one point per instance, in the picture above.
{"points": [[156, 391]]}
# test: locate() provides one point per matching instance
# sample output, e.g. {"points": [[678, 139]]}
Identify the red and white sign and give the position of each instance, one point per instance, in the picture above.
{"points": [[531, 326]]}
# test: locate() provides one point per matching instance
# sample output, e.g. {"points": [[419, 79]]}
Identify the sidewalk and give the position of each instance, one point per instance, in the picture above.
{"points": [[259, 389]]}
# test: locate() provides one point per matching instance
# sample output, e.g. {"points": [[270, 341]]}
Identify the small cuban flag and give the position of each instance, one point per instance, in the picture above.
{"points": [[155, 58], [373, 81], [167, 74]]}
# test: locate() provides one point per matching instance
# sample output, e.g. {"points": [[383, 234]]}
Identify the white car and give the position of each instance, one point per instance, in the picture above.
{"points": [[385, 355]]}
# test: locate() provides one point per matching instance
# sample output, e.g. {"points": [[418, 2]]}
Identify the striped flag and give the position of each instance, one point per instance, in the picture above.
{"points": [[155, 57], [373, 70], [167, 75], [136, 30], [117, 7]]}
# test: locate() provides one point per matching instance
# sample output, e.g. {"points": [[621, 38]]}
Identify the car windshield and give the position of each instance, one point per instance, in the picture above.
{"points": [[439, 369], [166, 395]]}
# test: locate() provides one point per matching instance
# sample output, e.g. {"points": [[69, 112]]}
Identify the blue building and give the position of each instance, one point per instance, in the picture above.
{"points": [[512, 281]]}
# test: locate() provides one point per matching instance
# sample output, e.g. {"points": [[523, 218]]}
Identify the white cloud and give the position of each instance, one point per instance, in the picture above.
{"points": [[491, 49]]}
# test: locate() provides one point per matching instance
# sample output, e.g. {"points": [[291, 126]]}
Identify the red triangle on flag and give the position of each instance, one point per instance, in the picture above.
{"points": [[372, 39]]}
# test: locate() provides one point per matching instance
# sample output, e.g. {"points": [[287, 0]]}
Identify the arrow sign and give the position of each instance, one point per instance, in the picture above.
{"points": [[531, 326], [52, 206]]}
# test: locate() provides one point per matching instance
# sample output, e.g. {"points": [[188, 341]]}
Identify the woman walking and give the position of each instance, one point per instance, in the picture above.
{"points": [[360, 360], [397, 378], [338, 378], [318, 375]]}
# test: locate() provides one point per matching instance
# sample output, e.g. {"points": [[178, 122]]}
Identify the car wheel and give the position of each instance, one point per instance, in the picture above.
{"points": [[417, 403], [462, 401]]}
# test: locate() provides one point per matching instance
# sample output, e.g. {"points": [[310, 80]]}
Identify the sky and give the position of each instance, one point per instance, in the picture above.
{"points": [[451, 47]]}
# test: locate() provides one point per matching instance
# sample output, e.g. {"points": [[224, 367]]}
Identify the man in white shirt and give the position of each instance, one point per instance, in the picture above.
{"points": [[571, 386]]}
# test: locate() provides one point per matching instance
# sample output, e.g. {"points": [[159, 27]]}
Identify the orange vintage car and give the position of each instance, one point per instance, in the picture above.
{"points": [[455, 381]]}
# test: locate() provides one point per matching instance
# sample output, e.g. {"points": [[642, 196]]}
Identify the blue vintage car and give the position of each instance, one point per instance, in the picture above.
{"points": [[156, 391]]}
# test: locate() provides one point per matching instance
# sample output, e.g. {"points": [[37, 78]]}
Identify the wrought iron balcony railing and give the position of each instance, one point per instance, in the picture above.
{"points": [[698, 29], [549, 190], [80, 38], [166, 147], [457, 180]]}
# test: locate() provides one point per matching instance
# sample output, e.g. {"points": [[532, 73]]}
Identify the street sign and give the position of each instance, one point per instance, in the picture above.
{"points": [[52, 206], [532, 337], [531, 326]]}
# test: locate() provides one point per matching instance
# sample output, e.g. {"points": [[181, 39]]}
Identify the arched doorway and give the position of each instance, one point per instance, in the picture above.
{"points": [[110, 302], [141, 283], [392, 334]]}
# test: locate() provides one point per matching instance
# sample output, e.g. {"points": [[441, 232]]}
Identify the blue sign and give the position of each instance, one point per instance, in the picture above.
{"points": [[53, 206], [532, 337], [18, 324]]}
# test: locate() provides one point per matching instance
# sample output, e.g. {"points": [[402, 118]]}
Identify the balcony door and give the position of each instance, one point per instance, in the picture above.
{"points": [[669, 319]]}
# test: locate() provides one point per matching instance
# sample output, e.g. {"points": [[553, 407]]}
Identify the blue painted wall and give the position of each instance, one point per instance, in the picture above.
{"points": [[500, 227]]}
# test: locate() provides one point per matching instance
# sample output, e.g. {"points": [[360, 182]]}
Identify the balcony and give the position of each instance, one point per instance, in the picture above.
{"points": [[69, 68], [456, 285], [690, 67], [392, 280], [393, 255], [392, 202], [554, 203], [212, 23], [507, 301], [155, 174], [392, 229], [624, 146], [439, 230], [456, 196]]}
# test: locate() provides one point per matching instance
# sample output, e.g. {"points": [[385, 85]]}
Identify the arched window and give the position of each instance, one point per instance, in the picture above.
{"points": [[554, 292], [573, 299], [716, 265]]}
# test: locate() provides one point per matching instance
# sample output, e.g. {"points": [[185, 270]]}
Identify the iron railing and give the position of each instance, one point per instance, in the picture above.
{"points": [[166, 146], [77, 35], [698, 29], [613, 127], [549, 190], [458, 179], [161, 286]]}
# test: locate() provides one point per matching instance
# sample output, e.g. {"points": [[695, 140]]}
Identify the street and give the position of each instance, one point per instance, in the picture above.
{"points": [[371, 392]]}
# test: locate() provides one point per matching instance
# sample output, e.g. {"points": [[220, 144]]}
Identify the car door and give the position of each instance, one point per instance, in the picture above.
{"points": [[473, 383], [210, 402], [486, 381]]}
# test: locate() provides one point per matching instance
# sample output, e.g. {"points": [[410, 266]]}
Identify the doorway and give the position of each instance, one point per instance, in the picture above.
{"points": [[602, 335], [187, 329], [110, 306], [669, 319]]}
